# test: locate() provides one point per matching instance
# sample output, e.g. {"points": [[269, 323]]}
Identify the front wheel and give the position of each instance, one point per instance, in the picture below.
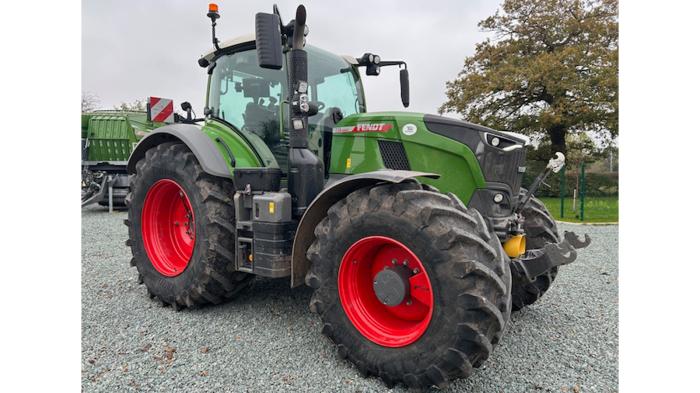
{"points": [[409, 283], [181, 229]]}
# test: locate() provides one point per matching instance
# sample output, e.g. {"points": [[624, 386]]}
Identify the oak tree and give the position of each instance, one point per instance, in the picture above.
{"points": [[550, 70]]}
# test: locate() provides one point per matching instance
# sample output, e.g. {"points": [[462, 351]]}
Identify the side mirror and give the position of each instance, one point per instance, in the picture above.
{"points": [[403, 76], [268, 40]]}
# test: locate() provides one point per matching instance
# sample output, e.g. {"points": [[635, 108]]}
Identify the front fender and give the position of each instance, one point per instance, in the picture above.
{"points": [[199, 143], [331, 194]]}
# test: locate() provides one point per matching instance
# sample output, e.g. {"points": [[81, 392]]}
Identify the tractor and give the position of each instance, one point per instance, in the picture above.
{"points": [[412, 229]]}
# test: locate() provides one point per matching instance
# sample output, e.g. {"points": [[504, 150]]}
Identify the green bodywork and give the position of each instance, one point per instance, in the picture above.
{"points": [[354, 153], [456, 164], [112, 135]]}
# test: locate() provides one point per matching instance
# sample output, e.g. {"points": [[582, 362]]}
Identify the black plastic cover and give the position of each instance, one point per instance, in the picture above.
{"points": [[272, 247], [305, 178], [259, 179]]}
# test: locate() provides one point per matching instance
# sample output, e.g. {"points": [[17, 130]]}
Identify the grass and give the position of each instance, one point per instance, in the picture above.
{"points": [[596, 209]]}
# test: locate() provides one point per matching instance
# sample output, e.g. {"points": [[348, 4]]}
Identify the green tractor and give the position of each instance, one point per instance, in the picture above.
{"points": [[410, 228]]}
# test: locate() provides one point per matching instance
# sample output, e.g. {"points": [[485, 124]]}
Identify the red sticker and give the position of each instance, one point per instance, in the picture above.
{"points": [[363, 127]]}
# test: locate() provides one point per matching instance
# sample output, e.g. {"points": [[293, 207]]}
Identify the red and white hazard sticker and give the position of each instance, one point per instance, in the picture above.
{"points": [[363, 127], [161, 110]]}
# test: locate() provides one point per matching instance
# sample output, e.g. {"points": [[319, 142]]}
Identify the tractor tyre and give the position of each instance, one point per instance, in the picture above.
{"points": [[540, 229], [181, 230], [409, 283]]}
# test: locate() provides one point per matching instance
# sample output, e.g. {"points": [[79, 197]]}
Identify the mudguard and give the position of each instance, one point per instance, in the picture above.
{"points": [[199, 143], [332, 193]]}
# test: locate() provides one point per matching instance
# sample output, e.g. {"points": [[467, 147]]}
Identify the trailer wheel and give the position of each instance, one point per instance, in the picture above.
{"points": [[409, 283], [540, 229], [181, 229]]}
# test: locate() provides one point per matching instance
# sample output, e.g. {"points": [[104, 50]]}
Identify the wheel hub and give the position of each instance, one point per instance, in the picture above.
{"points": [[391, 285], [385, 291], [168, 227]]}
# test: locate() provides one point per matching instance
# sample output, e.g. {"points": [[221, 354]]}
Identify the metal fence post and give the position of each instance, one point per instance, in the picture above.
{"points": [[562, 186], [582, 187]]}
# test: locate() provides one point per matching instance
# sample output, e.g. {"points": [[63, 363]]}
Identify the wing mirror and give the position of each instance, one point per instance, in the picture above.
{"points": [[268, 40], [403, 77]]}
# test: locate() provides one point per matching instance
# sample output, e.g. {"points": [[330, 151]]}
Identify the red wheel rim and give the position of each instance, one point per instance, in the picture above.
{"points": [[395, 326], [167, 227]]}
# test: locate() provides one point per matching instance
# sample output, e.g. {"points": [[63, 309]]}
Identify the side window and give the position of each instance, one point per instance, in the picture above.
{"points": [[339, 91], [248, 96], [239, 91], [232, 103]]}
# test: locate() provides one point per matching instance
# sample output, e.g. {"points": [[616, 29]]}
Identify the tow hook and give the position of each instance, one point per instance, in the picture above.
{"points": [[536, 262]]}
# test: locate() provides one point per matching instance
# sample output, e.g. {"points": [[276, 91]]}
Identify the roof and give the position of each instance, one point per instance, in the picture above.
{"points": [[243, 39], [229, 43]]}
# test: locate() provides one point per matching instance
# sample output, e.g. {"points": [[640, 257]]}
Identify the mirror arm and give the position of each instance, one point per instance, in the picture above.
{"points": [[393, 63]]}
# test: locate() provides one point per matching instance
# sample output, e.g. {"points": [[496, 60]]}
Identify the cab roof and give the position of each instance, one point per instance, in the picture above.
{"points": [[250, 38]]}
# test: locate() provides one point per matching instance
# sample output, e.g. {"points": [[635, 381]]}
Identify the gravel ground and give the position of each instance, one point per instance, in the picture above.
{"points": [[268, 340]]}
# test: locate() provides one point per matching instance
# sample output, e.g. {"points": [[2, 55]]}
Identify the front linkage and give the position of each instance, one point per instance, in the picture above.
{"points": [[534, 263]]}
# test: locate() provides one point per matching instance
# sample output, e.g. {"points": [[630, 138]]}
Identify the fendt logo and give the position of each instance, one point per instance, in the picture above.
{"points": [[364, 127]]}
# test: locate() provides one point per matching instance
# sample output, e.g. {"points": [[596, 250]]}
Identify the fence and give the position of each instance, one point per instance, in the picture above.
{"points": [[573, 186]]}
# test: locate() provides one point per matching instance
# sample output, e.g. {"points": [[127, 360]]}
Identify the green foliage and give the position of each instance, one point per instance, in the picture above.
{"points": [[551, 70], [135, 106]]}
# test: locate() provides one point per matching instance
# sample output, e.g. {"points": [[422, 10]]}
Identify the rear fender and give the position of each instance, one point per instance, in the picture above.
{"points": [[331, 194], [206, 151]]}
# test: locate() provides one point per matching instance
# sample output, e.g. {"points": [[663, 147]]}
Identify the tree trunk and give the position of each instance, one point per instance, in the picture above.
{"points": [[557, 135]]}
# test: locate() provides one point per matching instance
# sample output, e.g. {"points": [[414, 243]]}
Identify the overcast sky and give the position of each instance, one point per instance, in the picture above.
{"points": [[134, 49]]}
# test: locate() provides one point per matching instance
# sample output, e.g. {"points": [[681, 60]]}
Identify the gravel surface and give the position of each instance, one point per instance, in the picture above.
{"points": [[268, 340]]}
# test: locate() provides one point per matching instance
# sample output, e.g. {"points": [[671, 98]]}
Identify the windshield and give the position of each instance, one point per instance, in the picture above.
{"points": [[251, 97], [334, 83]]}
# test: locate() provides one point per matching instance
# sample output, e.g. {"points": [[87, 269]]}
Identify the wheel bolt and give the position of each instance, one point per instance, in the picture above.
{"points": [[409, 302], [405, 262], [394, 261], [416, 271]]}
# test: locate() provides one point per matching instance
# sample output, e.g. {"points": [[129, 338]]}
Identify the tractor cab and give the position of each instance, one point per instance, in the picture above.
{"points": [[251, 98]]}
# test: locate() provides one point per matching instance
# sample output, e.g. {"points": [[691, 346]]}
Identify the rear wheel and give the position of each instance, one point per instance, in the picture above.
{"points": [[181, 229], [540, 229], [409, 283]]}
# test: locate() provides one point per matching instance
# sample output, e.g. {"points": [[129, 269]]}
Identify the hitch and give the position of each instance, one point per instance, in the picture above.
{"points": [[536, 262]]}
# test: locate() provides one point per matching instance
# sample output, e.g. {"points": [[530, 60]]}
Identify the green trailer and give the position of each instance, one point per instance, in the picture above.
{"points": [[107, 139]]}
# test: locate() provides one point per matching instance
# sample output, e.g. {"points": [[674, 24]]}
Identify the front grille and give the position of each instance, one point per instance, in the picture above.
{"points": [[503, 166], [394, 155]]}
